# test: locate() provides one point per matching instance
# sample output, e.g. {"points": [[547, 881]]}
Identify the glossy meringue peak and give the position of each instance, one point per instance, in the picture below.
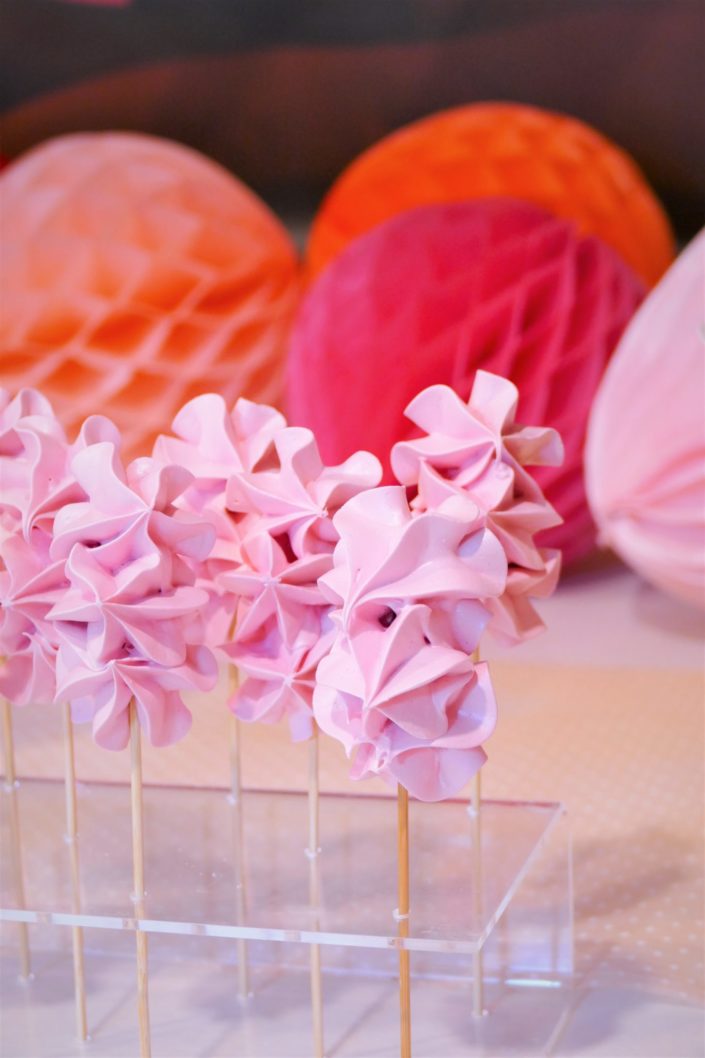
{"points": [[34, 458], [479, 450], [300, 494], [214, 444], [36, 481], [398, 687], [282, 628], [29, 583], [129, 624]]}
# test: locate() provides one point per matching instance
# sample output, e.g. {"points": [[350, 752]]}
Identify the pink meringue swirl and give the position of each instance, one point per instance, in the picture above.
{"points": [[280, 679], [398, 687], [214, 444], [300, 494], [29, 583], [33, 462], [129, 624], [478, 449], [283, 626], [36, 481]]}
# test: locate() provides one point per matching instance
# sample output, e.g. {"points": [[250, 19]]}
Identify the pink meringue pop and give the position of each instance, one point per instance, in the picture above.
{"points": [[214, 444], [36, 481], [478, 450], [283, 627], [33, 462], [29, 581], [398, 687], [129, 623], [299, 495]]}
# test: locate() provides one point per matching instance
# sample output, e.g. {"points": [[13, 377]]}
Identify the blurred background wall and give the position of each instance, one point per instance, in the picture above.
{"points": [[285, 93]]}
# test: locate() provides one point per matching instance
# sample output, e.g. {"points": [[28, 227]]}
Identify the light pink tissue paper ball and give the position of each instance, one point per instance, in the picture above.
{"points": [[645, 455]]}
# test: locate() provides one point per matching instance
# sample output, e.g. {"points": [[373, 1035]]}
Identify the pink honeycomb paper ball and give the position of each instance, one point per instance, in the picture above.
{"points": [[136, 274], [434, 294], [645, 456]]}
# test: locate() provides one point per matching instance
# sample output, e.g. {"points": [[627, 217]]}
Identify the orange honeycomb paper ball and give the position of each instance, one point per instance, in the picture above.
{"points": [[135, 274], [489, 149]]}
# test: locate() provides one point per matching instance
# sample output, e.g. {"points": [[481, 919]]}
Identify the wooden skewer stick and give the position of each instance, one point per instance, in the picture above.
{"points": [[403, 917], [478, 970], [138, 881], [315, 891], [15, 838], [243, 972], [79, 978]]}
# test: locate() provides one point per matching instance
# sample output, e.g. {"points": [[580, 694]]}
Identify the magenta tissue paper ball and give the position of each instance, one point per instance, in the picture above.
{"points": [[440, 291], [645, 456]]}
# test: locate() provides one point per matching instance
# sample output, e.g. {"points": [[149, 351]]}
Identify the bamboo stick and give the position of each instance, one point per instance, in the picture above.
{"points": [[478, 970], [15, 835], [138, 881], [79, 979], [315, 891], [403, 917], [243, 970]]}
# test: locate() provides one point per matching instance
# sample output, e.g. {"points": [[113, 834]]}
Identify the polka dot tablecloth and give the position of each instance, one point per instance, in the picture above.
{"points": [[604, 713]]}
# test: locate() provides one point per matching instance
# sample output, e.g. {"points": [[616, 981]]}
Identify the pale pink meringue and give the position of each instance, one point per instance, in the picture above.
{"points": [[283, 628], [214, 444], [479, 450], [34, 475], [280, 633], [29, 583], [129, 625], [300, 494], [268, 584], [102, 696], [398, 687], [389, 556], [280, 680], [35, 481]]}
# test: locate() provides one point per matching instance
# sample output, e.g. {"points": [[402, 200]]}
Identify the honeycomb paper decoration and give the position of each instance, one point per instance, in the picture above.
{"points": [[434, 294], [135, 274], [489, 149], [645, 456]]}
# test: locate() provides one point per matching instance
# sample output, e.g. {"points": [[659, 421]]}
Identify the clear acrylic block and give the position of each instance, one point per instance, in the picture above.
{"points": [[508, 913]]}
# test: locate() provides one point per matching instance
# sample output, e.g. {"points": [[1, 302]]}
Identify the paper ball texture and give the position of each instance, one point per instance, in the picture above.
{"points": [[136, 274], [438, 292], [645, 455], [489, 149]]}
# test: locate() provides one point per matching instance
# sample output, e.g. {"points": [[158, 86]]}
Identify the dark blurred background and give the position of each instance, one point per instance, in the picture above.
{"points": [[285, 93]]}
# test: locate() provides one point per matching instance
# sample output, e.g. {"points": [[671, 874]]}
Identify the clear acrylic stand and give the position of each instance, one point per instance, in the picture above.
{"points": [[520, 918]]}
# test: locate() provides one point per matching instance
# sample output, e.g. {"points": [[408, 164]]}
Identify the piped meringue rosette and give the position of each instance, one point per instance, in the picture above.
{"points": [[477, 449], [215, 444], [36, 481], [29, 581], [33, 463], [398, 687], [283, 626], [129, 623]]}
